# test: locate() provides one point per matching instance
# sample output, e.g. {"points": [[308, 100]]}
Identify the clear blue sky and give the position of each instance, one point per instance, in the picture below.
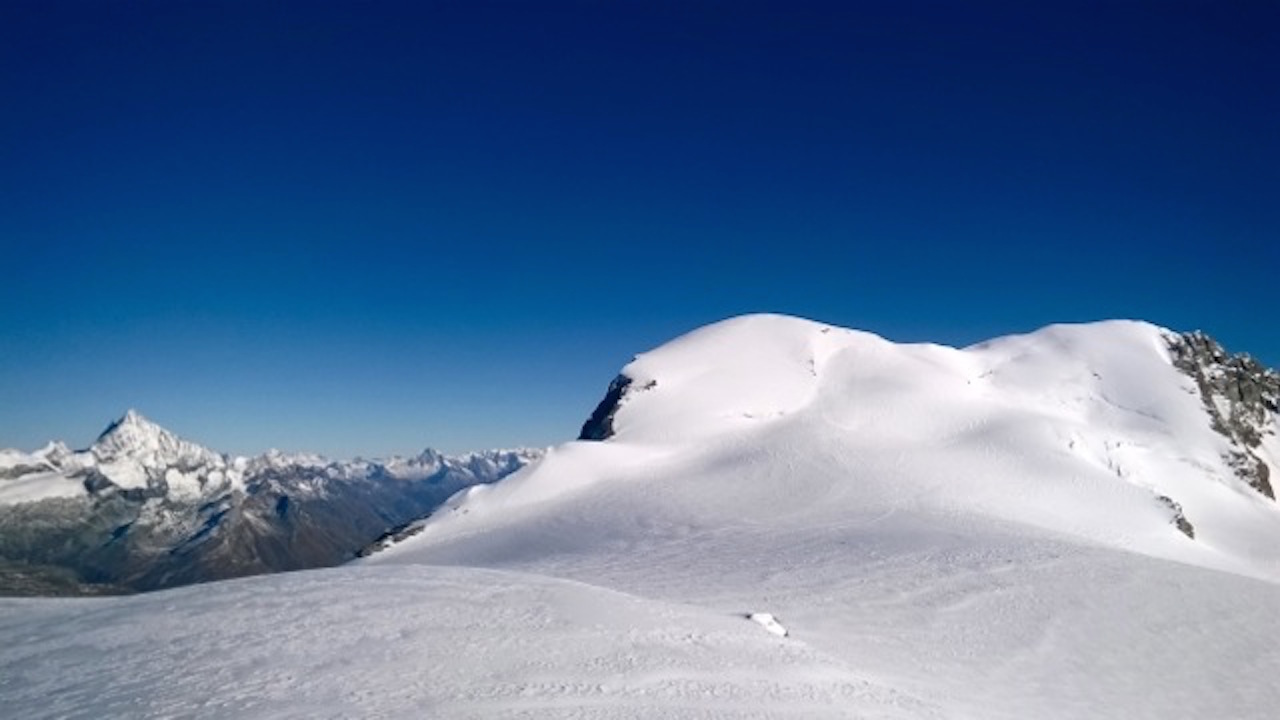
{"points": [[369, 227]]}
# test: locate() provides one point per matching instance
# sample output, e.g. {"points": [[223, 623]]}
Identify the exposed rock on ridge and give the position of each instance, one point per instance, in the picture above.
{"points": [[1241, 397], [600, 425]]}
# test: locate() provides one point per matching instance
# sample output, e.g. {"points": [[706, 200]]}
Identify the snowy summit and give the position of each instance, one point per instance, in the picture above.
{"points": [[773, 517]]}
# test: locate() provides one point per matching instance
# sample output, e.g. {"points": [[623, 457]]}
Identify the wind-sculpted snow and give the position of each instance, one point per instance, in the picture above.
{"points": [[414, 642]]}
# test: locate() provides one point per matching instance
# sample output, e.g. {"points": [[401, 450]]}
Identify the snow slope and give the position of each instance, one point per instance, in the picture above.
{"points": [[1073, 430], [980, 528], [988, 532], [412, 642]]}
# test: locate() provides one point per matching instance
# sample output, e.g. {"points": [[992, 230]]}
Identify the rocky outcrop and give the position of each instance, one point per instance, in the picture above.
{"points": [[1179, 520], [1241, 397], [600, 425]]}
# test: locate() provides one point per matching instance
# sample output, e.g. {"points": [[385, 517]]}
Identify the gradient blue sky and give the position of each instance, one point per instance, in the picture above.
{"points": [[365, 228]]}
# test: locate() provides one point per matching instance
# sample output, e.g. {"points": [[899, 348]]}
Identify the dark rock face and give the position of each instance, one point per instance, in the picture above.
{"points": [[1240, 396], [19, 470], [600, 425], [403, 531], [1179, 520], [1252, 470], [24, 580]]}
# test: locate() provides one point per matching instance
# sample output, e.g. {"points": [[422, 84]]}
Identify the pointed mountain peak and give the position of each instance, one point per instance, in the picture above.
{"points": [[131, 423], [133, 417], [430, 456], [133, 435]]}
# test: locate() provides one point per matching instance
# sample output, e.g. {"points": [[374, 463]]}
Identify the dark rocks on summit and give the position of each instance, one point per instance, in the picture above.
{"points": [[1241, 397], [600, 425]]}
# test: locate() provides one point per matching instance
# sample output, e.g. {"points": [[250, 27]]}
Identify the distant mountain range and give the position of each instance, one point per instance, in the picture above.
{"points": [[143, 509]]}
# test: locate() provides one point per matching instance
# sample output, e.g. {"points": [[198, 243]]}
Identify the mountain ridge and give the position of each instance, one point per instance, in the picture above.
{"points": [[1098, 412], [143, 508]]}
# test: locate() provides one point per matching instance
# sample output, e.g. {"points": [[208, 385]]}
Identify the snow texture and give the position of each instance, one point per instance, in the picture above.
{"points": [[948, 533]]}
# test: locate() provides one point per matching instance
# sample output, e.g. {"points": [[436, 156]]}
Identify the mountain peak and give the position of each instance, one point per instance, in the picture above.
{"points": [[131, 417], [135, 436], [131, 425]]}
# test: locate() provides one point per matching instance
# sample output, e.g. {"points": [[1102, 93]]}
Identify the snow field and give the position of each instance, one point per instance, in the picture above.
{"points": [[413, 642]]}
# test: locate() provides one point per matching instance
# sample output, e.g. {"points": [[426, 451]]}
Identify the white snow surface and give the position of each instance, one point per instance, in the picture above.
{"points": [[951, 533], [410, 642]]}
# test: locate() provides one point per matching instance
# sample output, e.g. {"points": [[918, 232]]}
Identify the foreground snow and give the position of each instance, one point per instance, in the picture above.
{"points": [[978, 533], [412, 642], [897, 624]]}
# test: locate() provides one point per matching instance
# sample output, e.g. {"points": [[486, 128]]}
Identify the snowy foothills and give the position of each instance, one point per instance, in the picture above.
{"points": [[767, 517]]}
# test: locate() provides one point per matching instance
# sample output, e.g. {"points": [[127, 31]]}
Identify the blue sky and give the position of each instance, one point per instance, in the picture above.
{"points": [[365, 228]]}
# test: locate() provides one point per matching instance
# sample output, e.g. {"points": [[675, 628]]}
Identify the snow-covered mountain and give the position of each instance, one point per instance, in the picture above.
{"points": [[1071, 523], [771, 517], [1119, 433], [143, 509]]}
